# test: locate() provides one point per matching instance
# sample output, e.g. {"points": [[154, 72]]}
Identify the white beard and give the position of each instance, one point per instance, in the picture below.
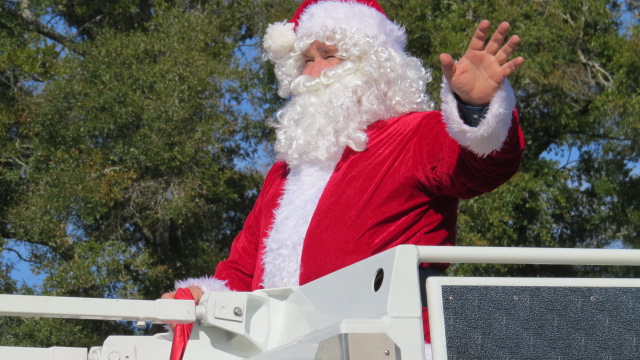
{"points": [[313, 129], [325, 115]]}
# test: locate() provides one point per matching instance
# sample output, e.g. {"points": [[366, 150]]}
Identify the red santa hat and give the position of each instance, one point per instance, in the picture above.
{"points": [[313, 16]]}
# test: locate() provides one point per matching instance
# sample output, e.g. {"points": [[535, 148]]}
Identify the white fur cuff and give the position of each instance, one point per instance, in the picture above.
{"points": [[490, 134], [205, 283]]}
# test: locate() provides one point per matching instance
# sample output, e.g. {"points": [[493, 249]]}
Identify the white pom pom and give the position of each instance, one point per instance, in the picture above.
{"points": [[279, 39]]}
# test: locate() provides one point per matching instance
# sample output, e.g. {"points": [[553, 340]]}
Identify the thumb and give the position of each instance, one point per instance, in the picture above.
{"points": [[448, 66]]}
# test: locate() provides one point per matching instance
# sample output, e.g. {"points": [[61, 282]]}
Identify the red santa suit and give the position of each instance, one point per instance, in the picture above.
{"points": [[402, 189], [313, 218]]}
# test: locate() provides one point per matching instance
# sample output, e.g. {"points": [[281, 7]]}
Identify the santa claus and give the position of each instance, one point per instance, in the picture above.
{"points": [[364, 163]]}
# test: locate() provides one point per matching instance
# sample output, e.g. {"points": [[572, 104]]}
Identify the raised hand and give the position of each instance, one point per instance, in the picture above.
{"points": [[477, 76]]}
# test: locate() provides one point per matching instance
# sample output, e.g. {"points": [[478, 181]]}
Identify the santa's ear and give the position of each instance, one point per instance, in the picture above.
{"points": [[279, 39]]}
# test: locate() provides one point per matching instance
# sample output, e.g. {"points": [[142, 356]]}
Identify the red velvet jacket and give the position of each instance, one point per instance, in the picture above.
{"points": [[403, 189]]}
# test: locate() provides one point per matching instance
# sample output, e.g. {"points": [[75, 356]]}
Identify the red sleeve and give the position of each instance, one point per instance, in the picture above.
{"points": [[451, 170]]}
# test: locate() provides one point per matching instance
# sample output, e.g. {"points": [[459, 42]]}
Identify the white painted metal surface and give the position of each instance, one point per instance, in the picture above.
{"points": [[550, 256], [157, 347], [289, 323], [156, 311], [53, 353]]}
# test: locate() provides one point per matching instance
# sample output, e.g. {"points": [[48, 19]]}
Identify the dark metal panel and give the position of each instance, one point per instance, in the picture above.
{"points": [[533, 322]]}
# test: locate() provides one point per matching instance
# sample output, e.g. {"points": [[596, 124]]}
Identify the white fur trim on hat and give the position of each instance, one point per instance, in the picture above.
{"points": [[490, 134], [279, 39], [205, 283], [351, 16]]}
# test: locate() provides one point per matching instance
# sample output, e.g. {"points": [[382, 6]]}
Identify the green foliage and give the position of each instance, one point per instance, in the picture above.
{"points": [[134, 142], [128, 145], [36, 332], [578, 102]]}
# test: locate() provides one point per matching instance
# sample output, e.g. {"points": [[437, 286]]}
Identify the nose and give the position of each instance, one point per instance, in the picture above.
{"points": [[316, 67]]}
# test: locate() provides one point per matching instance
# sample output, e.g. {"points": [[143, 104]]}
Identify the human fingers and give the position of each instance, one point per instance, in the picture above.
{"points": [[197, 293], [480, 36], [505, 52], [447, 64], [497, 38], [168, 295], [513, 65]]}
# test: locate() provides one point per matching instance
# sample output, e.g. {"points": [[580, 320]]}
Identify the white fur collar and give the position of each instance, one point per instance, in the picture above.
{"points": [[283, 246]]}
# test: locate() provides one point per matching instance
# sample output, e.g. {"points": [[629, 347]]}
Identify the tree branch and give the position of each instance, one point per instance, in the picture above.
{"points": [[33, 23], [600, 72], [97, 18], [18, 254], [16, 161]]}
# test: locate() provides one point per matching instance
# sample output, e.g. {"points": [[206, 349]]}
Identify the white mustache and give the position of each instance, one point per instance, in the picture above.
{"points": [[304, 83]]}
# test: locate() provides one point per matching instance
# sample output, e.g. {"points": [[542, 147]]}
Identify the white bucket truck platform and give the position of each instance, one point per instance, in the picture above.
{"points": [[373, 310]]}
